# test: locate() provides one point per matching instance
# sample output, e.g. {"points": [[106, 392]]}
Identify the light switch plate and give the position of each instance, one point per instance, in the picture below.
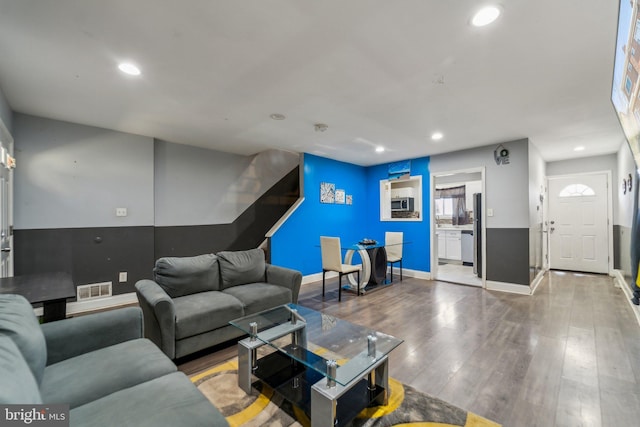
{"points": [[122, 277], [489, 212]]}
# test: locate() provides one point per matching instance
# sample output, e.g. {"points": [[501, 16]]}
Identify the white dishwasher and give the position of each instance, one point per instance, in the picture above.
{"points": [[467, 247]]}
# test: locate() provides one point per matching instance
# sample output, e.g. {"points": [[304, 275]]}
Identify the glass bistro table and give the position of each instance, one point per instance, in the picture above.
{"points": [[329, 367]]}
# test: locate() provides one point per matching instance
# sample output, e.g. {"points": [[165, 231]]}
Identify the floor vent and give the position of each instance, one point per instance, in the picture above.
{"points": [[94, 291]]}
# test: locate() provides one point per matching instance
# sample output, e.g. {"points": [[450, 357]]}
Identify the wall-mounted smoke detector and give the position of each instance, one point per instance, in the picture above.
{"points": [[320, 127]]}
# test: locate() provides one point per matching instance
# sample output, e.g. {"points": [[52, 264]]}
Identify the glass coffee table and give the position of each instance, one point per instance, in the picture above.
{"points": [[329, 367]]}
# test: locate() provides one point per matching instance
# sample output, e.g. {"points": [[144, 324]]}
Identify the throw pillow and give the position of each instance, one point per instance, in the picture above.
{"points": [[241, 267], [180, 276]]}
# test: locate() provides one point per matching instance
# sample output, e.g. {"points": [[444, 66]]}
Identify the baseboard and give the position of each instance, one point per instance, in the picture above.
{"points": [[316, 277], [79, 307], [512, 288], [620, 282], [417, 274], [537, 281]]}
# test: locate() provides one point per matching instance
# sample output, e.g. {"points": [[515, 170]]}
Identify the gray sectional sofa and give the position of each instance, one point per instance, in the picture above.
{"points": [[99, 365], [188, 306]]}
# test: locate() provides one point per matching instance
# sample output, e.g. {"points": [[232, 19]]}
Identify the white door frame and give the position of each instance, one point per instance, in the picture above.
{"points": [[609, 214], [432, 211], [6, 141]]}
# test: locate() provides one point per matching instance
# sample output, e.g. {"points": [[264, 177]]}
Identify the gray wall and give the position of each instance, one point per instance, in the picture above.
{"points": [[220, 185], [624, 219], [537, 171], [625, 166], [507, 185], [507, 193], [6, 115], [71, 178], [71, 175]]}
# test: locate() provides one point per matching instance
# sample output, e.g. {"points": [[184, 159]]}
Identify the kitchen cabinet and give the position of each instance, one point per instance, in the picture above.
{"points": [[453, 244], [442, 247], [449, 244]]}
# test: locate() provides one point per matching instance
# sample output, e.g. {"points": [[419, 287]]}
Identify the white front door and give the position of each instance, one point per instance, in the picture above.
{"points": [[578, 223]]}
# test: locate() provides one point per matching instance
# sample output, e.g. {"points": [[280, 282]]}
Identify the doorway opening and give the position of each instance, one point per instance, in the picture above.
{"points": [[457, 221]]}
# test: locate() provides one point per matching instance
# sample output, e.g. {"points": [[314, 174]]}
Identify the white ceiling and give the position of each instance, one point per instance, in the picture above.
{"points": [[377, 72]]}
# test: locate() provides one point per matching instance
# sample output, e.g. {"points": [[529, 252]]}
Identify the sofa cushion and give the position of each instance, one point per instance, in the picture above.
{"points": [[180, 276], [18, 322], [171, 400], [18, 383], [93, 375], [241, 267], [258, 297], [204, 312]]}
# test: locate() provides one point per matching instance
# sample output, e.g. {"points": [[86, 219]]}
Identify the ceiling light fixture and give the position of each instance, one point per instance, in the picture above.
{"points": [[485, 16], [278, 116], [436, 136], [379, 149], [579, 148], [320, 127], [129, 68]]}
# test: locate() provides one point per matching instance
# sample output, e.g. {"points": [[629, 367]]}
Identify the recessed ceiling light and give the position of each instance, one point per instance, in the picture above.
{"points": [[485, 16], [277, 116], [436, 136], [579, 148], [129, 68], [379, 149]]}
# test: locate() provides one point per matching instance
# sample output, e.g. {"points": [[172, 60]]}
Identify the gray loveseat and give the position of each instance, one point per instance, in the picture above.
{"points": [[99, 365], [188, 306]]}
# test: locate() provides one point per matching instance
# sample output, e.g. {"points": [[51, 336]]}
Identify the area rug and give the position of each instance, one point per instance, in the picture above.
{"points": [[406, 406]]}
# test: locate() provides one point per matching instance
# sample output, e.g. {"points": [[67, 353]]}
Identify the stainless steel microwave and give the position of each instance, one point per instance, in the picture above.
{"points": [[402, 204]]}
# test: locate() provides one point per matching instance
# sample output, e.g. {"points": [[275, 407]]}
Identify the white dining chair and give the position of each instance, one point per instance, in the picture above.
{"points": [[393, 246], [332, 261]]}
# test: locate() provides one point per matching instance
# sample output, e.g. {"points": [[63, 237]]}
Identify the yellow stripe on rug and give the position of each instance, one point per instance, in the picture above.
{"points": [[406, 406]]}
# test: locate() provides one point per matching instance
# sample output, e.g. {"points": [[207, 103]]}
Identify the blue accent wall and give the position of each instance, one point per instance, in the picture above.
{"points": [[297, 243], [416, 253]]}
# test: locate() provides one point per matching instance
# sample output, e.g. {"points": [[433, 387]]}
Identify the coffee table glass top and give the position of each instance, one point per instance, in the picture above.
{"points": [[323, 338]]}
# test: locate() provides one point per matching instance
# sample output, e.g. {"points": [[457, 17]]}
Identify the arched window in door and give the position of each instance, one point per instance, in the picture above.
{"points": [[577, 190]]}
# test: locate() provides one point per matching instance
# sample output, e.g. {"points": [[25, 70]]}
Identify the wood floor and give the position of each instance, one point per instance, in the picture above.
{"points": [[567, 356]]}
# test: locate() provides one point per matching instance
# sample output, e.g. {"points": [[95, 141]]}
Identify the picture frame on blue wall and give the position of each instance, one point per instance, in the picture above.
{"points": [[349, 199], [327, 192], [340, 197], [399, 170]]}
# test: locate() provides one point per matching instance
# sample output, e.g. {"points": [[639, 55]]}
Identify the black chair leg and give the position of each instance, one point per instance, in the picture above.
{"points": [[401, 269], [391, 272], [323, 272], [339, 286]]}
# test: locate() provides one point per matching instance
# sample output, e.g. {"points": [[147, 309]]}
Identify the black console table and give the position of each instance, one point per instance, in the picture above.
{"points": [[50, 289]]}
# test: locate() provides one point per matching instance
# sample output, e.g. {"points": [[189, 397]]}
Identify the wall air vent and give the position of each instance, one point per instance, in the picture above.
{"points": [[94, 291]]}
